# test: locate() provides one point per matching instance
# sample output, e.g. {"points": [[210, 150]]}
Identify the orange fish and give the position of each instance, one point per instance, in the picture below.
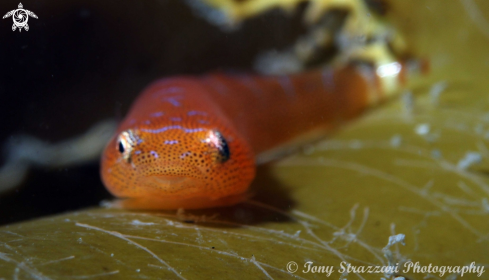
{"points": [[193, 142]]}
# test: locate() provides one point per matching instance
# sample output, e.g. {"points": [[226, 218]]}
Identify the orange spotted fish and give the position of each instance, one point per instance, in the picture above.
{"points": [[193, 142]]}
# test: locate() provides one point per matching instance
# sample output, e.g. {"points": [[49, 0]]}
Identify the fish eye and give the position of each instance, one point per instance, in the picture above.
{"points": [[223, 148], [126, 143], [216, 139], [121, 147]]}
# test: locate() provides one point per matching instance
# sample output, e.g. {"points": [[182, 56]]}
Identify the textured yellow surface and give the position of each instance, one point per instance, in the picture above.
{"points": [[237, 11], [410, 166]]}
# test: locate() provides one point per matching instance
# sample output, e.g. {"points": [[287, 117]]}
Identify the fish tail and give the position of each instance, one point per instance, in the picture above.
{"points": [[389, 79]]}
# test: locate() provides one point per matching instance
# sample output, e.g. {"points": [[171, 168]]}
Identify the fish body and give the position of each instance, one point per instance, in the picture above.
{"points": [[193, 142]]}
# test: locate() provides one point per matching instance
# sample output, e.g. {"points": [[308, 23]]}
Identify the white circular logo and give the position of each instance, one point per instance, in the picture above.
{"points": [[20, 17], [292, 267]]}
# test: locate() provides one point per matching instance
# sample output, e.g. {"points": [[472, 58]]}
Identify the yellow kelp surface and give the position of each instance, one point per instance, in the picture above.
{"points": [[415, 166], [237, 11]]}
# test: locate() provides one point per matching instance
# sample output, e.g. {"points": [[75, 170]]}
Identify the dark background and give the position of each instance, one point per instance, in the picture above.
{"points": [[85, 61]]}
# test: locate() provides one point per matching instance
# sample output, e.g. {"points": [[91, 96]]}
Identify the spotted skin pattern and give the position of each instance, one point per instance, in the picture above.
{"points": [[170, 151]]}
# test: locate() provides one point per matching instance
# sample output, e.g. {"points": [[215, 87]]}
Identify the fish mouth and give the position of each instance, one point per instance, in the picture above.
{"points": [[166, 179], [171, 180], [164, 185]]}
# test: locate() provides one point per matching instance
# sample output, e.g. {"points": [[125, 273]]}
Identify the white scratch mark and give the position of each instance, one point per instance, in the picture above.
{"points": [[470, 158], [157, 266], [121, 236], [257, 264], [139, 223], [234, 255], [305, 224], [408, 102], [22, 266], [57, 261], [393, 240], [200, 238], [95, 275], [387, 177], [13, 233], [477, 17], [463, 186], [436, 90]]}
